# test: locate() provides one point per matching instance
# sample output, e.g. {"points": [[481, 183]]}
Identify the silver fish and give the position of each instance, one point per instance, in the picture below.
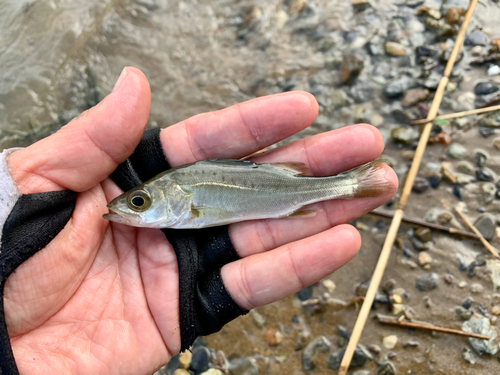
{"points": [[218, 192]]}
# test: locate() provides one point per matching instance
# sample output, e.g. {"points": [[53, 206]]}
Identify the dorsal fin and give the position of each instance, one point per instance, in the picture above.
{"points": [[294, 166]]}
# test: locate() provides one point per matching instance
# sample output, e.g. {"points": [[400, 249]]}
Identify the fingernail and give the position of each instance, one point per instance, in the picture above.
{"points": [[120, 79]]}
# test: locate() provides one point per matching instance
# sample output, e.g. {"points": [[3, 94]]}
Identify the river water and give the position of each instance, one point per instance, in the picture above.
{"points": [[60, 57]]}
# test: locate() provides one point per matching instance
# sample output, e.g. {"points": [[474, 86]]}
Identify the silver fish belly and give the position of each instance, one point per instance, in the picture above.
{"points": [[219, 192]]}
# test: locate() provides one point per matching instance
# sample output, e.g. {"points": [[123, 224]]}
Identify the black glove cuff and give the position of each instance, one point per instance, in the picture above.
{"points": [[205, 306], [33, 222]]}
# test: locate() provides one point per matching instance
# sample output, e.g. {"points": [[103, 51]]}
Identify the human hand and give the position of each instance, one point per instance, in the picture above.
{"points": [[103, 297]]}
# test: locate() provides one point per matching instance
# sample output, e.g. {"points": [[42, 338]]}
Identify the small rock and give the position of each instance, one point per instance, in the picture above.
{"points": [[491, 120], [485, 174], [476, 51], [395, 49], [480, 157], [428, 282], [462, 284], [334, 358], [321, 344], [273, 336], [465, 167], [420, 185], [185, 359], [329, 285], [201, 359], [467, 303], [414, 96], [495, 310], [306, 293], [338, 98], [453, 15], [411, 344], [361, 372], [493, 267], [424, 259], [448, 279], [464, 314], [243, 366], [476, 38], [388, 286], [397, 86], [386, 368], [374, 348], [423, 234], [377, 120], [350, 68], [390, 342], [496, 143], [456, 151], [397, 308], [485, 88], [181, 371], [481, 325], [468, 356], [485, 224], [493, 70], [404, 135], [258, 319], [212, 371]]}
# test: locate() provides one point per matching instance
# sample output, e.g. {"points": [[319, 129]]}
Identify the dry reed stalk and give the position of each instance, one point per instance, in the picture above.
{"points": [[431, 327], [486, 244], [457, 114], [398, 214]]}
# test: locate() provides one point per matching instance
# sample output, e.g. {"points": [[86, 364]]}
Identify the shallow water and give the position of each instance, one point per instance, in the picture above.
{"points": [[60, 57]]}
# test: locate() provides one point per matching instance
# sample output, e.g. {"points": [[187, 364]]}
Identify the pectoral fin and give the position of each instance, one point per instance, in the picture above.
{"points": [[302, 213], [294, 166]]}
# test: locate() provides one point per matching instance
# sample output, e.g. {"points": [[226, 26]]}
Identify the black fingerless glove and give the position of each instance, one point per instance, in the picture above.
{"points": [[33, 222], [204, 303]]}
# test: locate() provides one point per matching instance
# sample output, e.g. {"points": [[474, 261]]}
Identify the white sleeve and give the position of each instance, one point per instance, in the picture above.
{"points": [[9, 193]]}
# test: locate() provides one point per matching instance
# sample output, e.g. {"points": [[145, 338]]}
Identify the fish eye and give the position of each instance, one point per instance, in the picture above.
{"points": [[139, 200]]}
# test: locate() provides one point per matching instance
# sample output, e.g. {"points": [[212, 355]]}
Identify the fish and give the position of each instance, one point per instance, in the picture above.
{"points": [[217, 192]]}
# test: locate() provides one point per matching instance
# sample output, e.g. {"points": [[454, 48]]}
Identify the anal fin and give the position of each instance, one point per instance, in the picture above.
{"points": [[303, 213], [294, 166]]}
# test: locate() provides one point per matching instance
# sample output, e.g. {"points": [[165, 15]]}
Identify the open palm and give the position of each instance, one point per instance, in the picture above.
{"points": [[103, 297]]}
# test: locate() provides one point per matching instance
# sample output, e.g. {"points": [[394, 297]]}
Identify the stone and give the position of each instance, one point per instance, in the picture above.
{"points": [[397, 308], [468, 356], [386, 368], [420, 185], [493, 70], [212, 371], [185, 359], [397, 86], [476, 288], [350, 68], [493, 267], [465, 167], [181, 371], [360, 5], [491, 120], [319, 344], [394, 49], [377, 120], [338, 98], [306, 293], [462, 284], [453, 15], [485, 174], [334, 358], [424, 259], [485, 224], [273, 337], [423, 234], [476, 38], [390, 342], [485, 88], [456, 151], [476, 51], [329, 285], [414, 96], [201, 359], [258, 319], [480, 324], [374, 348], [480, 157], [404, 135], [427, 282], [495, 310], [243, 366]]}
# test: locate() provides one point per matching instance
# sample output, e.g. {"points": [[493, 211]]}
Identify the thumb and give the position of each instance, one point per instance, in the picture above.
{"points": [[90, 147]]}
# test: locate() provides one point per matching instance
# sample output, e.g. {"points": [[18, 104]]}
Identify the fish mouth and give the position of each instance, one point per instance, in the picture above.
{"points": [[117, 218]]}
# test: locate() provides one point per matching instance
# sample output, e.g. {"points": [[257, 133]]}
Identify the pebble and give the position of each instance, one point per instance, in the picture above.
{"points": [[404, 135], [181, 371], [485, 88], [463, 313], [423, 234], [212, 371], [484, 174], [243, 366], [491, 120], [476, 51], [493, 70], [395, 49], [496, 143], [185, 359], [335, 358], [448, 278], [386, 368], [338, 98], [485, 224], [377, 120], [258, 319], [481, 325], [456, 151], [476, 38], [390, 342], [468, 356], [424, 259], [273, 336], [462, 284], [476, 288], [495, 310], [465, 167], [201, 359], [414, 96], [420, 185], [350, 68], [427, 282], [329, 285], [320, 344], [480, 157], [411, 344], [397, 308], [467, 303], [453, 15], [374, 348], [397, 86], [306, 293]]}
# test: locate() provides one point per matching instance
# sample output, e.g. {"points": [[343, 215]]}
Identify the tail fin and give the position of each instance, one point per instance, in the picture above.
{"points": [[370, 179]]}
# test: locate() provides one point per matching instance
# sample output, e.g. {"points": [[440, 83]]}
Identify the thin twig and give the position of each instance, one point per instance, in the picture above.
{"points": [[428, 225], [457, 114], [431, 327], [486, 244], [398, 214]]}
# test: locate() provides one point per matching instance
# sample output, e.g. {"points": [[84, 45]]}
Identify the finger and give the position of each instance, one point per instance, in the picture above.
{"points": [[364, 144], [239, 130], [264, 278], [90, 147]]}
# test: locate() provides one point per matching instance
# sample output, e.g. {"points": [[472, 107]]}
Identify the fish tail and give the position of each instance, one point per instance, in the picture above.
{"points": [[369, 179]]}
